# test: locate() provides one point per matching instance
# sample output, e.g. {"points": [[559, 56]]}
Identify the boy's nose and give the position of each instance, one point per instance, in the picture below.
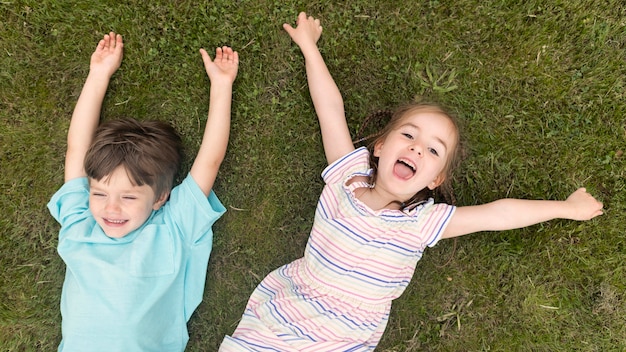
{"points": [[112, 206]]}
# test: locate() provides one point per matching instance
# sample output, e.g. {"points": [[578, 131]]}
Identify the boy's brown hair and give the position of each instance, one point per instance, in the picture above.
{"points": [[150, 151]]}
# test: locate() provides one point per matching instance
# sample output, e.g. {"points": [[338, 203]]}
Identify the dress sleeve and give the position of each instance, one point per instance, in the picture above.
{"points": [[357, 161], [192, 212], [434, 218]]}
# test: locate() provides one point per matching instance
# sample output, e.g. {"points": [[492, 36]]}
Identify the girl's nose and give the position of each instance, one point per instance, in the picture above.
{"points": [[416, 148]]}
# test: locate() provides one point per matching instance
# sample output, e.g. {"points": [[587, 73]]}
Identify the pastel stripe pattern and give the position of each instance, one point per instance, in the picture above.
{"points": [[338, 296]]}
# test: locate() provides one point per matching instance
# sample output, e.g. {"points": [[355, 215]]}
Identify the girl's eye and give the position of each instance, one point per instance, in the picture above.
{"points": [[98, 194], [129, 197], [433, 151], [408, 135]]}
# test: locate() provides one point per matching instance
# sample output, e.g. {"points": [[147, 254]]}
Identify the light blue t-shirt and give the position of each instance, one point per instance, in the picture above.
{"points": [[134, 293]]}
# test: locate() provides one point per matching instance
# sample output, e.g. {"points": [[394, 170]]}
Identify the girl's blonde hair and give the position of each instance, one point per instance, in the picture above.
{"points": [[396, 119]]}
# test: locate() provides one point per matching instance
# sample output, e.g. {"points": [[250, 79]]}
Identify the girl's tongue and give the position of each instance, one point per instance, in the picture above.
{"points": [[403, 171]]}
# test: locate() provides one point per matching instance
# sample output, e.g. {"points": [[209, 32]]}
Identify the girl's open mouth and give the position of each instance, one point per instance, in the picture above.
{"points": [[404, 169]]}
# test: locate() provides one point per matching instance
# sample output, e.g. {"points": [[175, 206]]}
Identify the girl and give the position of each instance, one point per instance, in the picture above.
{"points": [[372, 223]]}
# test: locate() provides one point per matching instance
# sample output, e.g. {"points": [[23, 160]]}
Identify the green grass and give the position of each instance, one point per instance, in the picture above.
{"points": [[538, 86]]}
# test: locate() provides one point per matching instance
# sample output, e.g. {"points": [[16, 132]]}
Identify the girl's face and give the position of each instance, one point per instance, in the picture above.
{"points": [[120, 207], [414, 155]]}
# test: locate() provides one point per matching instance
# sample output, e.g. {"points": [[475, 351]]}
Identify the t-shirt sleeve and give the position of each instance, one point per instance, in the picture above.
{"points": [[357, 161], [193, 212], [71, 202]]}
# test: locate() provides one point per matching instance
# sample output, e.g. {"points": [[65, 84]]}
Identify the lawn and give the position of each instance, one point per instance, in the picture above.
{"points": [[539, 88]]}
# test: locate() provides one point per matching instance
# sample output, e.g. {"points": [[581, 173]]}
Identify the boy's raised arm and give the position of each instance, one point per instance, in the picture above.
{"points": [[325, 95], [507, 214], [222, 73], [105, 60]]}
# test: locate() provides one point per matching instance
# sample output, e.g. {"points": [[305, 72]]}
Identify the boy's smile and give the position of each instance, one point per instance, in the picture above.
{"points": [[414, 155], [120, 207]]}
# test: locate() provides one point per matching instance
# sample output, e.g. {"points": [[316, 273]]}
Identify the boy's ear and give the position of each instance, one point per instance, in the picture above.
{"points": [[160, 201], [437, 182]]}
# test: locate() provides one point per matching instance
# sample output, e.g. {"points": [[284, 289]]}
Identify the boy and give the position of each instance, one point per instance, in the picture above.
{"points": [[135, 249]]}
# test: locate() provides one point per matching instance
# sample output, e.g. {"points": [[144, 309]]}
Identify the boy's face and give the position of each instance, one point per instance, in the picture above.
{"points": [[120, 207]]}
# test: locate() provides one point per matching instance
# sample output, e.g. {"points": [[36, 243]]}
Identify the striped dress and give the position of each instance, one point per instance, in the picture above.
{"points": [[338, 296]]}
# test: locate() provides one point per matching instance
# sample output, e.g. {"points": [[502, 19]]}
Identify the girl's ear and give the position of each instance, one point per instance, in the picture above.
{"points": [[377, 148], [160, 201], [437, 182]]}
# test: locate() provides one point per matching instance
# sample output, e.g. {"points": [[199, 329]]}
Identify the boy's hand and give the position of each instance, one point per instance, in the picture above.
{"points": [[307, 32], [583, 206], [224, 68], [108, 55]]}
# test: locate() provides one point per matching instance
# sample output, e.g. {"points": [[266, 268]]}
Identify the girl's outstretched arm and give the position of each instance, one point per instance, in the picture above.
{"points": [[326, 97], [507, 214], [105, 60], [222, 73]]}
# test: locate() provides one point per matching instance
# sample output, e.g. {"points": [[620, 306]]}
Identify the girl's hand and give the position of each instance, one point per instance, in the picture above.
{"points": [[583, 206], [307, 32], [224, 68], [108, 55]]}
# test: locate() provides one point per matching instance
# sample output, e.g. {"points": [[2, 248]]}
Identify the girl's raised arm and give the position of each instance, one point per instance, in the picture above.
{"points": [[326, 97], [507, 214]]}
